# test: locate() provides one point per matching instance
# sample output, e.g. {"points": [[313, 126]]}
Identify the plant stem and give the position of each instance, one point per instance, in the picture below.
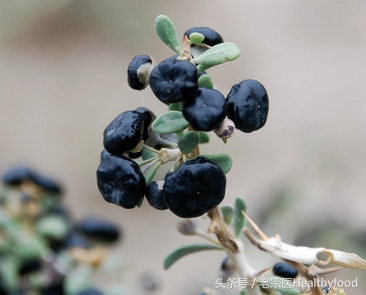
{"points": [[235, 250]]}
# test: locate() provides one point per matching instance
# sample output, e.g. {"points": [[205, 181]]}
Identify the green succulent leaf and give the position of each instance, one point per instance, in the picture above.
{"points": [[77, 280], [223, 160], [205, 81], [204, 137], [165, 29], [196, 38], [216, 55], [148, 154], [188, 142], [175, 106], [279, 284], [9, 268], [170, 122], [186, 250], [29, 247], [238, 220], [52, 226], [227, 212]]}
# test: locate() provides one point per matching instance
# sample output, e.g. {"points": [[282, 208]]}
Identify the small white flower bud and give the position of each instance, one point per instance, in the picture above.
{"points": [[226, 129], [187, 226]]}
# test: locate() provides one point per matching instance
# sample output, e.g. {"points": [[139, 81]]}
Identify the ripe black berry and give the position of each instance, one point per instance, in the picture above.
{"points": [[47, 183], [248, 105], [154, 196], [98, 229], [29, 265], [19, 174], [195, 188], [174, 80], [138, 72], [206, 110], [212, 37], [76, 240], [284, 270], [148, 117], [124, 132], [16, 175], [120, 180]]}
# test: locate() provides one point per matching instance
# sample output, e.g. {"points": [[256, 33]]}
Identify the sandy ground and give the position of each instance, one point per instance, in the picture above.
{"points": [[63, 79]]}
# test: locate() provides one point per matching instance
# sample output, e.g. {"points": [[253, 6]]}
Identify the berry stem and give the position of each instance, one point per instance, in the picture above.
{"points": [[234, 248], [149, 177], [147, 161], [208, 238], [146, 167], [151, 149]]}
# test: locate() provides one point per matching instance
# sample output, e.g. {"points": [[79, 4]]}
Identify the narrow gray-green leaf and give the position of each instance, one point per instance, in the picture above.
{"points": [[170, 122], [204, 137], [77, 280], [227, 212], [216, 55], [186, 250], [165, 29], [205, 81], [275, 283], [9, 267], [52, 227], [196, 38], [223, 160], [188, 142], [175, 106], [148, 154], [238, 218]]}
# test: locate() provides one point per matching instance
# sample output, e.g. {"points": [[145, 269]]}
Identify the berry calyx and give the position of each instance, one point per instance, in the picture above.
{"points": [[248, 105], [124, 133], [195, 188], [120, 180], [174, 80], [205, 110]]}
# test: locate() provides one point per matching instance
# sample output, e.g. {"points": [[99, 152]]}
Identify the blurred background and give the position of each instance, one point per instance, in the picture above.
{"points": [[63, 71]]}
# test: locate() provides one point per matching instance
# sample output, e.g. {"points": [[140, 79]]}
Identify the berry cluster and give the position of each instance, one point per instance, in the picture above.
{"points": [[137, 143], [42, 247]]}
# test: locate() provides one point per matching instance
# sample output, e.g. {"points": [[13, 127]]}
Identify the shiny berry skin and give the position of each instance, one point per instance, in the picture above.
{"points": [[99, 229], [120, 180], [138, 72], [206, 110], [174, 80], [124, 132], [284, 270], [212, 38], [248, 105], [195, 188], [154, 196], [148, 117]]}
